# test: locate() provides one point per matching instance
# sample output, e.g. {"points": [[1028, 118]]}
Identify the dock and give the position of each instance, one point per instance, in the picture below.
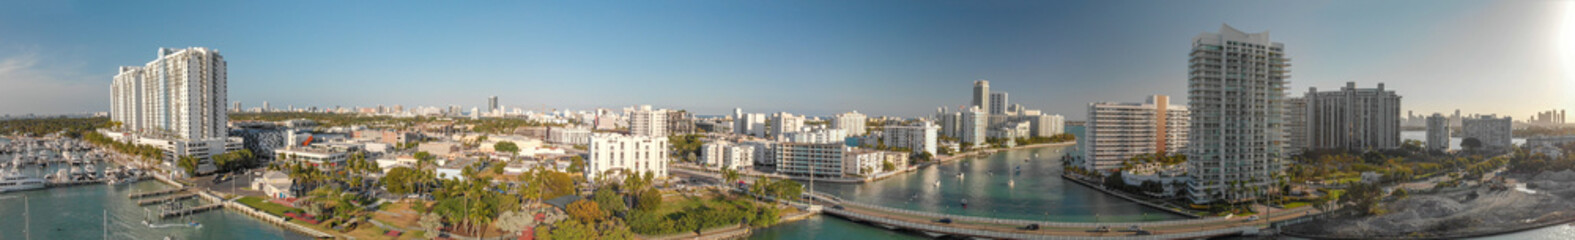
{"points": [[192, 210], [165, 199], [72, 183], [154, 193]]}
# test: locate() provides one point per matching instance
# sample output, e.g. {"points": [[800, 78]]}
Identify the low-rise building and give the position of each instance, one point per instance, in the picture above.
{"points": [[726, 155], [323, 155], [806, 159], [571, 136]]}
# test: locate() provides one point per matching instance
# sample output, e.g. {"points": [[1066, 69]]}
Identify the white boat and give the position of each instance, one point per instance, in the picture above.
{"points": [[1011, 183], [16, 181]]}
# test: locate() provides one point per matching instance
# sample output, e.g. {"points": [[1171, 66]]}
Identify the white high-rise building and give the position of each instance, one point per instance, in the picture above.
{"points": [[1352, 118], [920, 137], [181, 94], [753, 124], [1043, 125], [630, 154], [783, 122], [175, 103], [823, 135], [973, 126], [492, 104], [644, 121], [1116, 132], [1438, 132], [804, 159], [998, 104], [853, 122], [1494, 132], [1236, 88]]}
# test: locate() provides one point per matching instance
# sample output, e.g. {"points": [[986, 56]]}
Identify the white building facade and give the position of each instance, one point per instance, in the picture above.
{"points": [[1352, 118], [920, 137], [853, 122], [1116, 132], [644, 121], [1493, 131], [630, 154], [1236, 85]]}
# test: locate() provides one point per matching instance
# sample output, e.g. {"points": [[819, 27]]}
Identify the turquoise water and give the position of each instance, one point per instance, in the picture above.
{"points": [[78, 213], [1039, 194]]}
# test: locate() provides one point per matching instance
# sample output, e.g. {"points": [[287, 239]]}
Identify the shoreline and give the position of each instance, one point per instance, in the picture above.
{"points": [[1129, 198]]}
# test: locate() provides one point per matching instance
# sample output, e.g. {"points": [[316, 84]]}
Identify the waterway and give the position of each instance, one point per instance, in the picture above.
{"points": [[1039, 193], [79, 212], [1454, 142]]}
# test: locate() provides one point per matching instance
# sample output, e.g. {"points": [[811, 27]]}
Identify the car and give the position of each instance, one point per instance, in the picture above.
{"points": [[1252, 218], [1031, 226], [1102, 229], [944, 220], [838, 207], [1135, 228]]}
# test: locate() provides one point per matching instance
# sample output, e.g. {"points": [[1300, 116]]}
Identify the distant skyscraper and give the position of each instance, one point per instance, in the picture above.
{"points": [[1438, 132], [181, 94], [492, 104], [753, 124], [237, 107], [266, 107], [998, 104], [1352, 118], [1236, 85], [981, 95]]}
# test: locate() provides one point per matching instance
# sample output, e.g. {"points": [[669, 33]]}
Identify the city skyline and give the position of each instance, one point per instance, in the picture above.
{"points": [[815, 58]]}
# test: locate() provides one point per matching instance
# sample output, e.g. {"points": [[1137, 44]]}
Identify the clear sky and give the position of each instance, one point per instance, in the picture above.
{"points": [[901, 58]]}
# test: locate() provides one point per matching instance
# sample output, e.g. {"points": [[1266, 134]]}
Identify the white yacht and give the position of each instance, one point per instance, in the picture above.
{"points": [[16, 181]]}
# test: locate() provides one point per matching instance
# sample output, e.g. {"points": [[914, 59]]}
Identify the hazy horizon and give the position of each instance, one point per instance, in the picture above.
{"points": [[897, 58]]}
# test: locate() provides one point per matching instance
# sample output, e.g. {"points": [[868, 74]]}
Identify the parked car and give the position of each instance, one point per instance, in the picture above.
{"points": [[1252, 218], [944, 220], [1102, 229], [1031, 226]]}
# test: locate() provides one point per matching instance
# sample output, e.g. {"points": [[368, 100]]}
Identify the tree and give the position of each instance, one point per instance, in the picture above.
{"points": [[514, 221], [401, 180], [576, 164], [506, 146], [431, 225], [730, 175], [649, 200], [586, 211], [188, 164], [423, 158], [610, 201], [1471, 143], [887, 166]]}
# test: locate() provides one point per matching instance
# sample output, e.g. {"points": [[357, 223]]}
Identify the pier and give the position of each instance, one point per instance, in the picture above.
{"points": [[165, 199], [72, 183], [154, 193], [189, 211]]}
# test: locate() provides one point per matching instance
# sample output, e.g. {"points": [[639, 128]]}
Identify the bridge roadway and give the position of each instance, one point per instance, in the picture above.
{"points": [[984, 227]]}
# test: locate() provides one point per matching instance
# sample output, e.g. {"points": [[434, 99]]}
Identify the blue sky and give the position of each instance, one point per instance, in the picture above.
{"points": [[900, 58]]}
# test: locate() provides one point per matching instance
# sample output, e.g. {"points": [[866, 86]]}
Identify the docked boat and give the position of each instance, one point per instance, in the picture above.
{"points": [[16, 181]]}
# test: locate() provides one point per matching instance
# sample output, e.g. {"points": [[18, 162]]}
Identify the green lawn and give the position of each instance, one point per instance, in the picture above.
{"points": [[1294, 205], [1335, 193], [266, 206]]}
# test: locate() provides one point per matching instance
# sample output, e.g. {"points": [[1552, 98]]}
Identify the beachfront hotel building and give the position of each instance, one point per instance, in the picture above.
{"points": [[628, 154], [177, 102], [1351, 118], [1116, 132], [920, 137], [1236, 88]]}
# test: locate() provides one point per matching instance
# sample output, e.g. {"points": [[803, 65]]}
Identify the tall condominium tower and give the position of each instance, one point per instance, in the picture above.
{"points": [[1117, 132], [783, 122], [981, 95], [1236, 85], [1352, 118], [181, 93]]}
